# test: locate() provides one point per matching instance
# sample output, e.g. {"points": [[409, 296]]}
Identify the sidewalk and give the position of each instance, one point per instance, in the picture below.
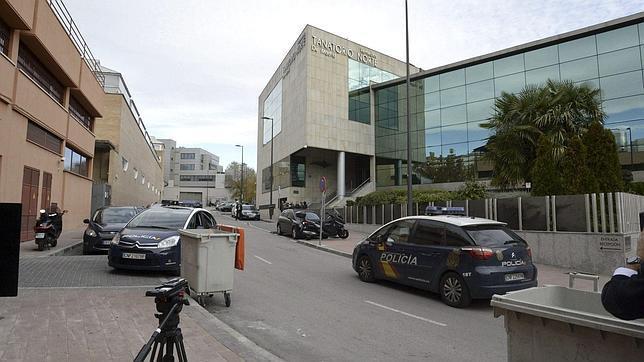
{"points": [[95, 324], [548, 274], [67, 240]]}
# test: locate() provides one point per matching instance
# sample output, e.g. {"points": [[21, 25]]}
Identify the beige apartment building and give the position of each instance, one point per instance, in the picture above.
{"points": [[50, 94], [127, 168]]}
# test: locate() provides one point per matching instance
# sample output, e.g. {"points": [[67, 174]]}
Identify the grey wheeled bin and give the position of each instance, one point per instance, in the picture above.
{"points": [[555, 323], [208, 261]]}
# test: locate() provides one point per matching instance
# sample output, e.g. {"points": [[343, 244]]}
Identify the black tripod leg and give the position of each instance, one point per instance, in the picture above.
{"points": [[181, 349], [169, 353], [163, 343], [154, 350]]}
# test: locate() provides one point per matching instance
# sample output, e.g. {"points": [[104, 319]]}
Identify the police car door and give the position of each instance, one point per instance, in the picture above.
{"points": [[396, 253], [427, 241]]}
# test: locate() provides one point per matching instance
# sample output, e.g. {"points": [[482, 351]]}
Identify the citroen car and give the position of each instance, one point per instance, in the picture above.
{"points": [[150, 241], [102, 227], [459, 257]]}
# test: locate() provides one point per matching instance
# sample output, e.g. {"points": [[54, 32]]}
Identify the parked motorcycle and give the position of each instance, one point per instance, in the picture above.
{"points": [[334, 226], [48, 228]]}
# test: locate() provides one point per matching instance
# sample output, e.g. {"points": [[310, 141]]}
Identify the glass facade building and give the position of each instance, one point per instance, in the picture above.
{"points": [[448, 104]]}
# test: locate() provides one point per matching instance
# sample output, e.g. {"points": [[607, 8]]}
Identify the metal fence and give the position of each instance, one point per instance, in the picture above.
{"points": [[598, 213]]}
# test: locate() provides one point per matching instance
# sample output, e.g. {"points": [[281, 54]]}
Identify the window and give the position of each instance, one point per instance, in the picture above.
{"points": [[5, 33], [28, 63], [187, 167], [428, 233], [400, 231], [187, 156], [75, 162], [202, 178], [455, 236], [124, 163], [80, 113], [452, 79], [44, 138], [273, 110], [359, 106], [298, 171]]}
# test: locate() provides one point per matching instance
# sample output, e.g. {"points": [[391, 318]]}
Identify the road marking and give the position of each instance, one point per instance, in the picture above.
{"points": [[262, 259], [405, 313]]}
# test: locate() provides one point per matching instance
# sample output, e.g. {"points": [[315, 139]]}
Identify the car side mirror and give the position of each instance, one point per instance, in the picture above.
{"points": [[86, 221]]}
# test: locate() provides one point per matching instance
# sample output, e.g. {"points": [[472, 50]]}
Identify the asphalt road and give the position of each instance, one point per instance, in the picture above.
{"points": [[301, 303]]}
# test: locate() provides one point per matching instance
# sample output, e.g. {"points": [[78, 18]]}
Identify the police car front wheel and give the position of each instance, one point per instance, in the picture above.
{"points": [[454, 291], [365, 269]]}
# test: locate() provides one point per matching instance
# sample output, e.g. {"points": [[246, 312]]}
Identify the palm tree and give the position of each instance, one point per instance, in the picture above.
{"points": [[558, 110]]}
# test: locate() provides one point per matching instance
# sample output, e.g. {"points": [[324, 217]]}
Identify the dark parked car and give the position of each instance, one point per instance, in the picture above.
{"points": [[105, 223], [299, 224], [459, 257], [249, 212], [225, 207], [150, 241]]}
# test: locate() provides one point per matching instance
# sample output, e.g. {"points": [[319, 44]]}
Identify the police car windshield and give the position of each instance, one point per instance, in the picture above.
{"points": [[161, 218], [493, 236]]}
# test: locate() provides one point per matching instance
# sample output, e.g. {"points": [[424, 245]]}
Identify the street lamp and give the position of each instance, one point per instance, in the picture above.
{"points": [[409, 175], [630, 143], [270, 202], [241, 187]]}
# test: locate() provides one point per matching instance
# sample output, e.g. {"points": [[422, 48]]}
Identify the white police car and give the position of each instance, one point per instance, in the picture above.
{"points": [[457, 256]]}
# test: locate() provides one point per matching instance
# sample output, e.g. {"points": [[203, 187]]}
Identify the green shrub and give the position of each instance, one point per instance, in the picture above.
{"points": [[471, 190], [636, 188]]}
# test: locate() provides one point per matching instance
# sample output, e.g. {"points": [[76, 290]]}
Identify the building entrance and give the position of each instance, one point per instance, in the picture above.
{"points": [[30, 182]]}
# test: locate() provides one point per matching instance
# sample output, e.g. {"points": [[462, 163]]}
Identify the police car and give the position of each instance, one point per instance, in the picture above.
{"points": [[457, 256]]}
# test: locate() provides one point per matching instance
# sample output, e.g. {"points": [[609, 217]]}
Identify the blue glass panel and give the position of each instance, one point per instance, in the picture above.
{"points": [[578, 70], [452, 97], [617, 39], [620, 61], [509, 84], [541, 75], [479, 91], [480, 110], [476, 133], [578, 48], [479, 72], [454, 134], [433, 118], [541, 57], [641, 31], [476, 146], [458, 149], [592, 83], [624, 109], [453, 115], [433, 137], [622, 85], [432, 151], [508, 65], [432, 101], [452, 79], [431, 84]]}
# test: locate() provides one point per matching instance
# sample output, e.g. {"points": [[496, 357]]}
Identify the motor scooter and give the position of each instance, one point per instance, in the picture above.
{"points": [[48, 228], [334, 226]]}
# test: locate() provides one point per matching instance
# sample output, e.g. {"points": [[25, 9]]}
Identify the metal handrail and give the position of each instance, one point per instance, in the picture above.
{"points": [[66, 20], [357, 188]]}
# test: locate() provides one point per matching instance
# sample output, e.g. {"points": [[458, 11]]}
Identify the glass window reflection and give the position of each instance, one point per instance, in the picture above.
{"points": [[453, 115], [453, 96], [431, 84], [452, 79], [579, 70], [433, 119], [617, 39], [509, 84], [480, 110], [508, 65], [454, 134], [479, 72], [578, 48], [432, 101], [456, 149], [622, 85], [620, 61], [433, 137], [541, 57], [624, 109], [541, 75], [479, 91], [475, 132]]}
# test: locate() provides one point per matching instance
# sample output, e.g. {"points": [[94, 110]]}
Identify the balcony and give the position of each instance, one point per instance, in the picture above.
{"points": [[80, 136], [36, 103], [7, 73]]}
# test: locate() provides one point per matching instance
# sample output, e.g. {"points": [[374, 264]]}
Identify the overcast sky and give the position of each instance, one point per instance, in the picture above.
{"points": [[195, 68]]}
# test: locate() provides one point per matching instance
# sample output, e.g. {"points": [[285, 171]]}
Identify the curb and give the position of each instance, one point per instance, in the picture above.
{"points": [[67, 250], [324, 248]]}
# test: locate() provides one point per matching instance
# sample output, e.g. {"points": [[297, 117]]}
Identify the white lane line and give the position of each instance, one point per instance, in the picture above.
{"points": [[405, 313], [262, 259]]}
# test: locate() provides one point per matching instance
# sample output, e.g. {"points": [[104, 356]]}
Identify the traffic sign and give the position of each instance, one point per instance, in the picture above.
{"points": [[323, 184]]}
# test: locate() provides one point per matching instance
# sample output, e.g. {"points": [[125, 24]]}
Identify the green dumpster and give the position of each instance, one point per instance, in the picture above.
{"points": [[555, 323]]}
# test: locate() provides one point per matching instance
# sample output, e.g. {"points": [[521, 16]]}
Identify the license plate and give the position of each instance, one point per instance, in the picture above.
{"points": [[133, 256], [513, 277], [40, 235]]}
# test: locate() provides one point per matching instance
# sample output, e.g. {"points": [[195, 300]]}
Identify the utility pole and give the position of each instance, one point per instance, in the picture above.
{"points": [[410, 199]]}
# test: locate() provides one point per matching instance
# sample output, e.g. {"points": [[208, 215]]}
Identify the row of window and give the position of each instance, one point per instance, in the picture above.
{"points": [[30, 64], [76, 162], [426, 233], [44, 138], [273, 111], [5, 34], [126, 165], [187, 156], [202, 178]]}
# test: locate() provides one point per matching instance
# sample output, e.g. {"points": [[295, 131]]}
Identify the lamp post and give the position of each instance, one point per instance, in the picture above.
{"points": [[630, 144], [409, 175], [241, 186], [270, 202]]}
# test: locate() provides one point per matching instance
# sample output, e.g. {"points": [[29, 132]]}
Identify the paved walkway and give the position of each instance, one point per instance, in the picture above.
{"points": [[94, 324], [67, 239]]}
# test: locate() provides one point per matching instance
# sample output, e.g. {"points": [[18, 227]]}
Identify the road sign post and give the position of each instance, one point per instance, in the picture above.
{"points": [[323, 186]]}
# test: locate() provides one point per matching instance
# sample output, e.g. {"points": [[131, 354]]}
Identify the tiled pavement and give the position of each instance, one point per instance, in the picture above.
{"points": [[90, 324], [67, 239]]}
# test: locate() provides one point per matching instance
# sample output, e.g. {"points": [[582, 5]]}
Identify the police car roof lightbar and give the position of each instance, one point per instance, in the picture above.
{"points": [[441, 210]]}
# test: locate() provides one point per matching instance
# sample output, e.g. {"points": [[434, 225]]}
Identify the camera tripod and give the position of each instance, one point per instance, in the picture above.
{"points": [[167, 335]]}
